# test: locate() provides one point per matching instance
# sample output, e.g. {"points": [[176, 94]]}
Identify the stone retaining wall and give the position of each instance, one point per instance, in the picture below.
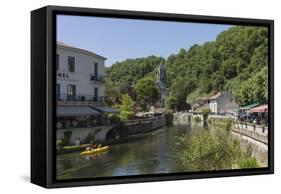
{"points": [[145, 125], [99, 133]]}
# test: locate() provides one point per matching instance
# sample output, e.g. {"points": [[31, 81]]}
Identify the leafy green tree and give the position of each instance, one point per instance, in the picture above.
{"points": [[171, 103], [218, 81], [126, 108], [229, 68], [110, 92], [128, 72], [254, 89], [146, 90], [179, 93]]}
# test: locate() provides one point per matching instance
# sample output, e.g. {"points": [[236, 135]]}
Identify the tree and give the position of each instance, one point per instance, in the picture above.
{"points": [[128, 72], [146, 91], [218, 81], [254, 89], [126, 108], [110, 92], [171, 103], [128, 90], [179, 93], [229, 68]]}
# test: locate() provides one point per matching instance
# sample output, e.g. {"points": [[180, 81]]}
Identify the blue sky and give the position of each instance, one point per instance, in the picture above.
{"points": [[120, 39]]}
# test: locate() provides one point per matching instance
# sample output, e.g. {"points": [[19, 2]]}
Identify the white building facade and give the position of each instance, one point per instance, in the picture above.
{"points": [[222, 102], [80, 95], [80, 74]]}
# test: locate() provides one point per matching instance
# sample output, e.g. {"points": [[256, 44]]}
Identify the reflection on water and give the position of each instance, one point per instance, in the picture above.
{"points": [[152, 154]]}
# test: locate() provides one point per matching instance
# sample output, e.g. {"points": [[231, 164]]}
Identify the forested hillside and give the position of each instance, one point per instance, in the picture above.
{"points": [[236, 61], [128, 72]]}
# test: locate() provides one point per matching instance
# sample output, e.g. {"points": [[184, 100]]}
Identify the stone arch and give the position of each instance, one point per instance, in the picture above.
{"points": [[111, 134]]}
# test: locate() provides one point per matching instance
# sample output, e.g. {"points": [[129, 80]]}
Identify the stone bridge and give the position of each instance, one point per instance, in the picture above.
{"points": [[183, 118]]}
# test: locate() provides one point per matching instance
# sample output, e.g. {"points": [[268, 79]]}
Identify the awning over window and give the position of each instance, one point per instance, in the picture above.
{"points": [[106, 109], [262, 108], [75, 111]]}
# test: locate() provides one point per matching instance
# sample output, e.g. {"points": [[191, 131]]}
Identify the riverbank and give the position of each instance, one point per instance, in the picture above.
{"points": [[79, 148], [249, 135], [144, 153], [129, 131]]}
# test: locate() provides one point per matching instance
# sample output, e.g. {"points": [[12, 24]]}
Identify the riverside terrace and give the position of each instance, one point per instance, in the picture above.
{"points": [[64, 99]]}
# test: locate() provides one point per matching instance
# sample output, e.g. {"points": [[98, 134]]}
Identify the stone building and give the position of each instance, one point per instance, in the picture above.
{"points": [[222, 102]]}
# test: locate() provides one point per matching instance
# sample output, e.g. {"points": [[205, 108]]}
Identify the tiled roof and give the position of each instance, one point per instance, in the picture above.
{"points": [[215, 96], [73, 47]]}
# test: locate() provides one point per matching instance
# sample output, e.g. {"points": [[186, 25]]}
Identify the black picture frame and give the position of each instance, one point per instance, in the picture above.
{"points": [[43, 52]]}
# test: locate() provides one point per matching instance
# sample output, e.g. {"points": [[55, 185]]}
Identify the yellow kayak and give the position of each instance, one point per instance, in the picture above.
{"points": [[95, 151]]}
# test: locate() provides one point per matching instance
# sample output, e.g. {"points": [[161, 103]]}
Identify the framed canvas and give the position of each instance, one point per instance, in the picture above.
{"points": [[126, 96]]}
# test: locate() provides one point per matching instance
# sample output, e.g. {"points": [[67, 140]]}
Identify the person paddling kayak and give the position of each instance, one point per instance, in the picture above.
{"points": [[94, 146]]}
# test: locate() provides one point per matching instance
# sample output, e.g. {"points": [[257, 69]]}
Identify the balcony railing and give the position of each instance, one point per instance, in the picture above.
{"points": [[98, 78], [80, 98]]}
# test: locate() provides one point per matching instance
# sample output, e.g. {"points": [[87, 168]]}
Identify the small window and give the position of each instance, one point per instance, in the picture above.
{"points": [[58, 62], [96, 94], [96, 69], [71, 64], [58, 91], [71, 92]]}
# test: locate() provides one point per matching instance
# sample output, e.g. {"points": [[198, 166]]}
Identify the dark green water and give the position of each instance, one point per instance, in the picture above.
{"points": [[152, 154]]}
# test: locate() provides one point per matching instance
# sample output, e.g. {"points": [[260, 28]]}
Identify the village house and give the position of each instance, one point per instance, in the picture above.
{"points": [[80, 88], [222, 102]]}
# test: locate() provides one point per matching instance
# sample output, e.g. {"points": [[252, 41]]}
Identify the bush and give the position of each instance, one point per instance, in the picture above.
{"points": [[228, 125], [248, 162], [114, 119], [248, 151], [64, 142], [59, 144], [205, 150]]}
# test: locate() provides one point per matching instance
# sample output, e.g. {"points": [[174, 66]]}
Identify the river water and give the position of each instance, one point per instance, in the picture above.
{"points": [[150, 153], [153, 153]]}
